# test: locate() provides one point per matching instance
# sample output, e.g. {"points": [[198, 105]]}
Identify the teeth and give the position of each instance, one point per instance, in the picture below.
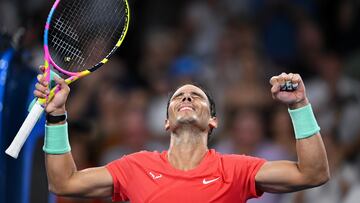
{"points": [[185, 108]]}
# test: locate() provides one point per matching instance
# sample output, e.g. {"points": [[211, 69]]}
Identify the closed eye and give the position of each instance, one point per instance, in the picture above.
{"points": [[177, 95], [193, 95]]}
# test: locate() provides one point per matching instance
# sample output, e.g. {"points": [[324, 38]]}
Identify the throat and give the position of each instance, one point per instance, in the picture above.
{"points": [[186, 161], [186, 154]]}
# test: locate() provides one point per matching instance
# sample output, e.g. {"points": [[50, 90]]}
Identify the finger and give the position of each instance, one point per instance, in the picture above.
{"points": [[42, 80], [290, 77], [282, 78], [275, 88], [296, 78], [42, 68], [62, 83], [273, 80], [39, 94], [59, 80], [42, 88]]}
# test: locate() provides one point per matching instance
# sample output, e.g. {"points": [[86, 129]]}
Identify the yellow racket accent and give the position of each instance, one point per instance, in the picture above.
{"points": [[126, 27]]}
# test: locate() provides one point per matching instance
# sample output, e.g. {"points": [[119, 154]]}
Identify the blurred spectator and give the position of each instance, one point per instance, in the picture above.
{"points": [[310, 44], [160, 48], [278, 30], [340, 21], [354, 194], [132, 134], [202, 23], [246, 135], [343, 176], [9, 22], [232, 48], [88, 94], [282, 132], [335, 98]]}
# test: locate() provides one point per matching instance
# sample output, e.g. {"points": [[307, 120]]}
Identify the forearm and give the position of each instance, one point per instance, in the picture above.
{"points": [[60, 165], [59, 168], [312, 160], [312, 168], [65, 180], [311, 153]]}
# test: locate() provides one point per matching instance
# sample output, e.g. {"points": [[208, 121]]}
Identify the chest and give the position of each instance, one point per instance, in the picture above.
{"points": [[154, 186]]}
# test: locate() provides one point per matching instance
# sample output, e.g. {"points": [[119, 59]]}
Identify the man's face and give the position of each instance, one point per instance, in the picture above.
{"points": [[189, 105]]}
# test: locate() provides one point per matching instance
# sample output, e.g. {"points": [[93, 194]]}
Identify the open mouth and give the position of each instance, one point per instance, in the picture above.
{"points": [[186, 108]]}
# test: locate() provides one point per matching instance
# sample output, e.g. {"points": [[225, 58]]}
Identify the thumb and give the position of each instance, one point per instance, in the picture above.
{"points": [[62, 85], [59, 81]]}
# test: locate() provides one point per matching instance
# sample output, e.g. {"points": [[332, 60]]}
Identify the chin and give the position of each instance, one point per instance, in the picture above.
{"points": [[187, 119]]}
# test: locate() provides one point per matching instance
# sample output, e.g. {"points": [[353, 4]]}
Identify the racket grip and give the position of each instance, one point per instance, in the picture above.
{"points": [[26, 128], [288, 86]]}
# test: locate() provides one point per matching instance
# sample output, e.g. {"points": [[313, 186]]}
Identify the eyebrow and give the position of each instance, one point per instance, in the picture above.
{"points": [[192, 93]]}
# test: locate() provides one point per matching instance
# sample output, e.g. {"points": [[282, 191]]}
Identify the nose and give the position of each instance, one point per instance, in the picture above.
{"points": [[187, 97]]}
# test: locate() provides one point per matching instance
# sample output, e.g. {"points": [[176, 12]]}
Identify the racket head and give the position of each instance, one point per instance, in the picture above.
{"points": [[81, 35]]}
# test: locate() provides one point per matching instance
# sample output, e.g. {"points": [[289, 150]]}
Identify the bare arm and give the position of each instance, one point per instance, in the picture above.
{"points": [[65, 180], [312, 168], [63, 177], [286, 176]]}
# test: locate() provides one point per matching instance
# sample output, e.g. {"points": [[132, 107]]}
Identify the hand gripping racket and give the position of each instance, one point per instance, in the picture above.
{"points": [[289, 86], [79, 37]]}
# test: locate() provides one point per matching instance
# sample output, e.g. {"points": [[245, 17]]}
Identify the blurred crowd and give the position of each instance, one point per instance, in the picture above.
{"points": [[231, 48]]}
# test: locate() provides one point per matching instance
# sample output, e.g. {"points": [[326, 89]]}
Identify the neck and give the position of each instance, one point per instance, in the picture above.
{"points": [[187, 149]]}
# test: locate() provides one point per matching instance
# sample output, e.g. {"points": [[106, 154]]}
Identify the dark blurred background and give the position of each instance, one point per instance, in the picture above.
{"points": [[231, 48]]}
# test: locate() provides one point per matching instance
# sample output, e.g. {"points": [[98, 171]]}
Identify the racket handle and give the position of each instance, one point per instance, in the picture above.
{"points": [[288, 86], [26, 128]]}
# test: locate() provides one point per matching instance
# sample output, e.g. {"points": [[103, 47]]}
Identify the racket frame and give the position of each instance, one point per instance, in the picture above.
{"points": [[38, 109]]}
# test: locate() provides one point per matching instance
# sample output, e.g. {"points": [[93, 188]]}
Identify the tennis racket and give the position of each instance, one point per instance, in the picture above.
{"points": [[289, 86], [79, 37]]}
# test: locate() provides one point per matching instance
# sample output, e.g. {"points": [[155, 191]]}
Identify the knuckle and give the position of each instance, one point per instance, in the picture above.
{"points": [[66, 88]]}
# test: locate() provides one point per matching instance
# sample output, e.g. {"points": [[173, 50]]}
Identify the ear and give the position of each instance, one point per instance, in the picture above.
{"points": [[167, 125], [213, 122]]}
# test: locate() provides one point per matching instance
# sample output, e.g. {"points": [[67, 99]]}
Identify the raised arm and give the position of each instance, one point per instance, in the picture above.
{"points": [[312, 168], [63, 177]]}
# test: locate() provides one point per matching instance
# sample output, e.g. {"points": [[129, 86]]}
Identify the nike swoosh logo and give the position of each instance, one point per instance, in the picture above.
{"points": [[205, 182], [154, 176]]}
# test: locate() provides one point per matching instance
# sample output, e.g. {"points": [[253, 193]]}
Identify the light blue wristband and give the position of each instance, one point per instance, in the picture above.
{"points": [[56, 139], [304, 122]]}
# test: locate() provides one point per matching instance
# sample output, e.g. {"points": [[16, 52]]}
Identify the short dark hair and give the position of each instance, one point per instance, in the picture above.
{"points": [[208, 95]]}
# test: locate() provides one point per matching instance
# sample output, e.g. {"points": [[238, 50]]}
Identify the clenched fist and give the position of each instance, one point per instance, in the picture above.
{"points": [[294, 98]]}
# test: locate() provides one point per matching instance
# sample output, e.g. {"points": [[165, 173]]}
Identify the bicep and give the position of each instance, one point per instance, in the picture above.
{"points": [[280, 176], [91, 182]]}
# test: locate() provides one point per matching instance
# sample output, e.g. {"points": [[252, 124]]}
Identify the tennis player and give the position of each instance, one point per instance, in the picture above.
{"points": [[188, 171]]}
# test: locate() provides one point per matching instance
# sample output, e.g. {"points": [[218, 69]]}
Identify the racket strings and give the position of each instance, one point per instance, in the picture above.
{"points": [[102, 34], [83, 32], [67, 31]]}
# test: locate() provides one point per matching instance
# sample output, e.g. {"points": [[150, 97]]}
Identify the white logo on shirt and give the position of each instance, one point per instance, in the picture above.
{"points": [[154, 176], [205, 182]]}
